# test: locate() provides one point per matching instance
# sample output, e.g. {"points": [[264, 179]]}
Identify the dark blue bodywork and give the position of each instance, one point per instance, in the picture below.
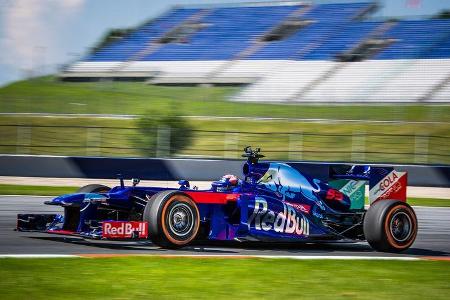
{"points": [[272, 202]]}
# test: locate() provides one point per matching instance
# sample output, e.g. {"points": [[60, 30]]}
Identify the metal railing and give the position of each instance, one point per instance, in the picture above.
{"points": [[357, 146]]}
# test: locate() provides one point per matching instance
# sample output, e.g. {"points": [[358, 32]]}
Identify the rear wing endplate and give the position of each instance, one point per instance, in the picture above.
{"points": [[384, 182]]}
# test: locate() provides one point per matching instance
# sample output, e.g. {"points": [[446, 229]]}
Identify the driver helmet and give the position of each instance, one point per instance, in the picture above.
{"points": [[232, 179], [226, 183]]}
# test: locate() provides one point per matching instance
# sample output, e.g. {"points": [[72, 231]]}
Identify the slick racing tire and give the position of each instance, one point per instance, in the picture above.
{"points": [[390, 226], [94, 188], [173, 219]]}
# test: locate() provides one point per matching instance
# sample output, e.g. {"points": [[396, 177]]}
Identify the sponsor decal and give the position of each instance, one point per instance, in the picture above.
{"points": [[355, 191], [392, 186], [124, 230], [95, 198], [287, 221], [351, 187], [333, 194], [305, 208], [320, 205], [317, 214]]}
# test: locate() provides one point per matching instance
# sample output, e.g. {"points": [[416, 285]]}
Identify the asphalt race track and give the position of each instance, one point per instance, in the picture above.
{"points": [[433, 238]]}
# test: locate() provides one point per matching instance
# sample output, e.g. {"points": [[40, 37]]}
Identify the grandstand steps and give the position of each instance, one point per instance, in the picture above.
{"points": [[200, 80], [413, 82], [300, 94], [187, 72], [310, 47], [380, 81], [99, 76], [301, 11], [284, 83], [442, 95], [124, 65], [231, 63], [365, 11], [256, 44], [438, 90], [155, 44], [382, 29], [284, 52], [317, 81], [197, 16]]}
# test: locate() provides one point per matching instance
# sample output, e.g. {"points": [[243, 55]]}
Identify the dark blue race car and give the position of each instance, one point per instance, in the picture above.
{"points": [[271, 202]]}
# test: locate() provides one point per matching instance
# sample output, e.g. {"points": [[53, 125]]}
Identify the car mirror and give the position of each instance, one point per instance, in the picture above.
{"points": [[135, 181]]}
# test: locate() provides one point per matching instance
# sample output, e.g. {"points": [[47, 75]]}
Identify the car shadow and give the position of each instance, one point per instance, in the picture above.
{"points": [[129, 247], [241, 248]]}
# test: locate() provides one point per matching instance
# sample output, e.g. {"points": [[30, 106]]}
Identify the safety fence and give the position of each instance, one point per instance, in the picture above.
{"points": [[105, 141]]}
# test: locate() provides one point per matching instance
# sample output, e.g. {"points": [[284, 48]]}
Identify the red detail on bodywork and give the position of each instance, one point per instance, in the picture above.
{"points": [[333, 194], [212, 197], [124, 230], [397, 191], [301, 207]]}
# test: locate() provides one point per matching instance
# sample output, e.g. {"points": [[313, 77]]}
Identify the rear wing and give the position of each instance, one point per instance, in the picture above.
{"points": [[384, 182], [387, 183]]}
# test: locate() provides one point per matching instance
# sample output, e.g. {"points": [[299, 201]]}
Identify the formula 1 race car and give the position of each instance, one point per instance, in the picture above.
{"points": [[272, 202]]}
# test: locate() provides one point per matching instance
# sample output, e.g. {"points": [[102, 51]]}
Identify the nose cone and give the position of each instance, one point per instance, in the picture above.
{"points": [[67, 200]]}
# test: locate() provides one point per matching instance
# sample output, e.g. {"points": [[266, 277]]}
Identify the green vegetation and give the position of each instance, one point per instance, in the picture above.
{"points": [[11, 189], [218, 278], [443, 14], [47, 95], [307, 141], [280, 139], [166, 128], [111, 36], [431, 202]]}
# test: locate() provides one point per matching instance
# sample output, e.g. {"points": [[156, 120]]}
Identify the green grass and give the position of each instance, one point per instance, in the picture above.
{"points": [[195, 278], [47, 95], [11, 189], [431, 202], [333, 143]]}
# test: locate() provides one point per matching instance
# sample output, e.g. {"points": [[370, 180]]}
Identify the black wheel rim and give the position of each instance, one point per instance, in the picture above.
{"points": [[180, 220], [401, 226]]}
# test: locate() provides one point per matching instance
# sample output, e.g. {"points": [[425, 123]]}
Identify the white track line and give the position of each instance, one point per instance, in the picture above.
{"points": [[38, 256], [296, 257], [299, 257], [225, 118]]}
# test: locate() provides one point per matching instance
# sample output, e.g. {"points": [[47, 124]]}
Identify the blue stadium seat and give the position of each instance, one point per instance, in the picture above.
{"points": [[139, 39], [418, 39], [230, 30]]}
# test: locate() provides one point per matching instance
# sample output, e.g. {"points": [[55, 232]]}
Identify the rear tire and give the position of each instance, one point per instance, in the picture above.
{"points": [[173, 218], [390, 226], [94, 188]]}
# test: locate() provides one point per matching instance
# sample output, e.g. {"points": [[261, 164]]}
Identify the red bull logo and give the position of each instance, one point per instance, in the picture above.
{"points": [[124, 230], [287, 221]]}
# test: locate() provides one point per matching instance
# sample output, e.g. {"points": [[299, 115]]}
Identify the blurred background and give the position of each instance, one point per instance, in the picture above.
{"points": [[353, 81]]}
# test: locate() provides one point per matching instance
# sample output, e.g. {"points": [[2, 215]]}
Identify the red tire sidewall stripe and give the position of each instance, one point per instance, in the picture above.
{"points": [[185, 199], [387, 230]]}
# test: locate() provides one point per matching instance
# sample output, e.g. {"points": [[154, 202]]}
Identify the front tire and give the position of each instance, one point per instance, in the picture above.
{"points": [[390, 226], [173, 218], [94, 188]]}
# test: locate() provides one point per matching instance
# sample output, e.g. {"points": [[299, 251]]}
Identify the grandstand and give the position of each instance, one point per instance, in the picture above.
{"points": [[284, 52]]}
